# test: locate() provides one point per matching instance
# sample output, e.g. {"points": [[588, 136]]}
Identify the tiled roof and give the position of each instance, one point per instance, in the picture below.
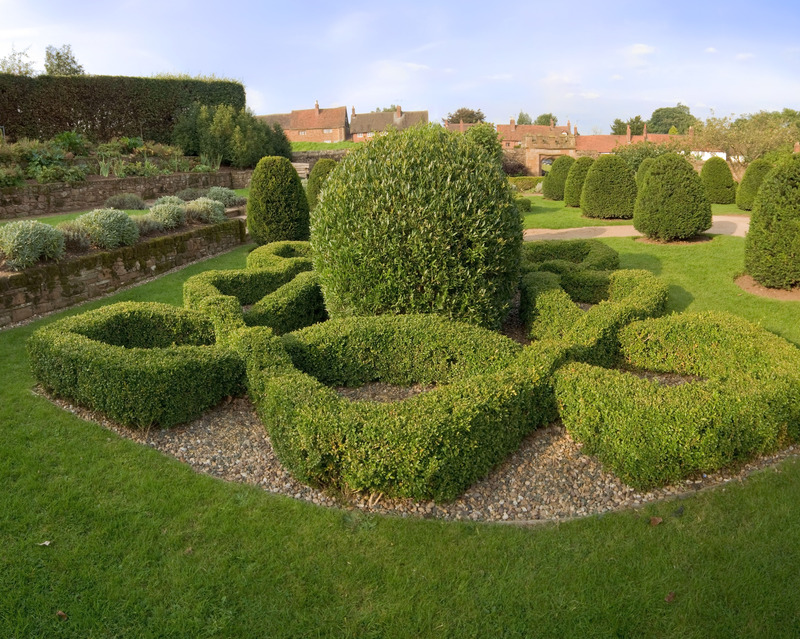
{"points": [[607, 143], [369, 122], [284, 119], [515, 133], [302, 119], [459, 126]]}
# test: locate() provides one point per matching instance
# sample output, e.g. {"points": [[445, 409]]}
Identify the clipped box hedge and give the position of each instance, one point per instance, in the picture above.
{"points": [[139, 363], [743, 401], [489, 394]]}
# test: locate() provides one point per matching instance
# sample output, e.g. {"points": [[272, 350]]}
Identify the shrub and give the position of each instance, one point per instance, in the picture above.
{"points": [[317, 178], [76, 239], [672, 203], [170, 215], [402, 230], [205, 210], [148, 224], [169, 199], [192, 193], [126, 202], [718, 181], [485, 135], [575, 178], [524, 204], [25, 242], [644, 167], [556, 178], [11, 176], [609, 190], [58, 173], [277, 208], [525, 182], [139, 363], [227, 196], [753, 177], [772, 246], [109, 228]]}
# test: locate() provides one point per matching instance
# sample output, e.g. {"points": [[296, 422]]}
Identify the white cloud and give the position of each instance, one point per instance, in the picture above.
{"points": [[617, 77], [636, 54], [710, 50], [744, 56]]}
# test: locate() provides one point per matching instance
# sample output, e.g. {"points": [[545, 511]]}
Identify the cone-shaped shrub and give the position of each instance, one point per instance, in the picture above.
{"points": [[672, 203], [277, 208], [644, 167], [753, 177], [772, 247], [418, 221], [719, 183], [575, 177], [317, 178], [609, 190], [554, 181]]}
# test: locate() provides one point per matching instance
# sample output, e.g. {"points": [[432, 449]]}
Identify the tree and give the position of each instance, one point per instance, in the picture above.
{"points": [[524, 118], [748, 137], [465, 115], [634, 154], [61, 61], [678, 116], [17, 63], [618, 127], [485, 136], [390, 109], [545, 119]]}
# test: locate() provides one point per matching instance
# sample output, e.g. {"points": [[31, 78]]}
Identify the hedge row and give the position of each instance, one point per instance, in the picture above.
{"points": [[104, 107]]}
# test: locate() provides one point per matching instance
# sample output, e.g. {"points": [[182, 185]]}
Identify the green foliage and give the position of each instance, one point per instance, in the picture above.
{"points": [[17, 63], [524, 118], [546, 119], [205, 210], [226, 196], [524, 204], [76, 239], [663, 119], [485, 135], [61, 61], [644, 167], [742, 398], [718, 181], [525, 182], [575, 178], [104, 107], [25, 242], [672, 202], [139, 363], [149, 224], [635, 154], [277, 208], [170, 214], [192, 193], [465, 115], [753, 177], [773, 243], [11, 176], [317, 178], [169, 199], [126, 202], [400, 230], [109, 228], [618, 127], [553, 185], [609, 189], [72, 142]]}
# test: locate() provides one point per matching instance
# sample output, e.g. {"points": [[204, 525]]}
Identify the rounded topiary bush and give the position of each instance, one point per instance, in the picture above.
{"points": [[277, 208], [556, 178], [753, 177], [126, 202], [575, 178], [109, 228], [644, 167], [772, 246], [25, 242], [609, 190], [170, 215], [718, 181], [204, 209], [419, 221], [672, 203], [317, 178]]}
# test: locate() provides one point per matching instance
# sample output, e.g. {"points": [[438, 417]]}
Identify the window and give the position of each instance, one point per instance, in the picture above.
{"points": [[370, 134], [301, 133], [327, 130]]}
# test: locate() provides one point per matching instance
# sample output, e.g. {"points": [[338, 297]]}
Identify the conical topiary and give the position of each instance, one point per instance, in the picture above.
{"points": [[672, 202], [609, 190], [753, 177], [644, 167], [277, 208], [554, 181], [317, 178], [575, 177], [719, 183]]}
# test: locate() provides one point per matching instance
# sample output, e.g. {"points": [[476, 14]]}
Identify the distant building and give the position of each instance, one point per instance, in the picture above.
{"points": [[511, 135], [364, 126], [459, 126], [312, 125]]}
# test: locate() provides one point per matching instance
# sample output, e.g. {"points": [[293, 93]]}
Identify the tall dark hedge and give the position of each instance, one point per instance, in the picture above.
{"points": [[574, 184], [277, 208], [317, 178], [753, 177], [772, 246], [554, 181], [644, 167], [103, 107], [719, 183], [672, 202], [609, 190]]}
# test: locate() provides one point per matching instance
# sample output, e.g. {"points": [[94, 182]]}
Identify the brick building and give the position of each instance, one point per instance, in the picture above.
{"points": [[312, 125], [364, 126]]}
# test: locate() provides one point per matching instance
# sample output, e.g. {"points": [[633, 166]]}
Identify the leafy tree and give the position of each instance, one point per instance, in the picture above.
{"points": [[673, 130], [634, 154], [545, 118], [485, 135], [749, 137], [17, 63], [465, 115], [524, 118], [618, 127], [390, 109], [664, 118], [61, 61]]}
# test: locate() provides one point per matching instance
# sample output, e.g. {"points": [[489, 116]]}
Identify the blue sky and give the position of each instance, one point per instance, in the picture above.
{"points": [[589, 62]]}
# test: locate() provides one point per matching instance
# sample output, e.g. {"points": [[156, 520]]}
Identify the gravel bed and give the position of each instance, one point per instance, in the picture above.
{"points": [[547, 478]]}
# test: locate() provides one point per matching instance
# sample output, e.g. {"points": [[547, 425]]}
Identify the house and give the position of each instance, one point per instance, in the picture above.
{"points": [[364, 126], [460, 126], [511, 135], [312, 125]]}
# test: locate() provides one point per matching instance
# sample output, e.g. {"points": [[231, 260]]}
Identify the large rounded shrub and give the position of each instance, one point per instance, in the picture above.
{"points": [[109, 228], [718, 181], [575, 178], [317, 178], [672, 203], [753, 177], [644, 167], [277, 208], [419, 221], [609, 190], [25, 242], [556, 178], [772, 246]]}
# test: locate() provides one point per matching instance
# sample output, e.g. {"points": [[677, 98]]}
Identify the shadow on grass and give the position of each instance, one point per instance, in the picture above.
{"points": [[679, 298], [644, 261]]}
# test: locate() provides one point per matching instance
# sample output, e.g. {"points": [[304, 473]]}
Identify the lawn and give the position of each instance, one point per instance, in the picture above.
{"points": [[142, 546], [65, 217], [323, 146]]}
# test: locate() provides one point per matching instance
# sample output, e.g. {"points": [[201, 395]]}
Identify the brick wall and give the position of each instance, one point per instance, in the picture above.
{"points": [[51, 287], [336, 134], [49, 199]]}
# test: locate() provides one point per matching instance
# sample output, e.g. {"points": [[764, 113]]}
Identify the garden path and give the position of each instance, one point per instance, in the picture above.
{"points": [[737, 225]]}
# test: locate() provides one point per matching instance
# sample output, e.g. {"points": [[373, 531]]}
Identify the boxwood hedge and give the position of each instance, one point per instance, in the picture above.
{"points": [[609, 189], [753, 177], [575, 178], [556, 178]]}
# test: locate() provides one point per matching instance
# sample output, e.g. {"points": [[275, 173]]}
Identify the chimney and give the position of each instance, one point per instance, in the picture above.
{"points": [[316, 107], [628, 134], [576, 129], [461, 125], [691, 131], [797, 147], [552, 124], [513, 124], [569, 126], [644, 133], [353, 113], [399, 112]]}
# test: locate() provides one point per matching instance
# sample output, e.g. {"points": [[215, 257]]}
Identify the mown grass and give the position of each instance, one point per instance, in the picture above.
{"points": [[323, 146], [142, 546], [552, 214], [53, 220]]}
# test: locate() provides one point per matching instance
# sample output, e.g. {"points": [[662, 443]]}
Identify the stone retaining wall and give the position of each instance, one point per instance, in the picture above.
{"points": [[50, 287], [311, 157], [49, 199]]}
